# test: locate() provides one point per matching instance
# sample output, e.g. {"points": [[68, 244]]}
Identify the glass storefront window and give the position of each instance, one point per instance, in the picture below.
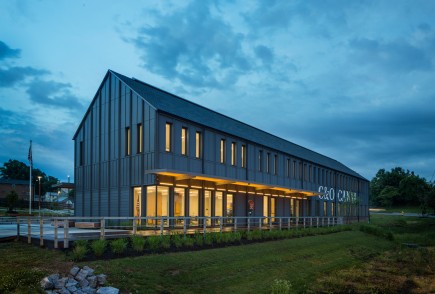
{"points": [[193, 206], [179, 201], [265, 208], [207, 205], [151, 203], [229, 207]]}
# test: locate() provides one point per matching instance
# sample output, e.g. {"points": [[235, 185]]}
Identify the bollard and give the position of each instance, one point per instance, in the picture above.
{"points": [[18, 227], [55, 234], [29, 231], [103, 227], [41, 232], [65, 233]]}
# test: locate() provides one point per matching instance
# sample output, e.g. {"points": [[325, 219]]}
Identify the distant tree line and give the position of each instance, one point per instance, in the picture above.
{"points": [[399, 188], [17, 170]]}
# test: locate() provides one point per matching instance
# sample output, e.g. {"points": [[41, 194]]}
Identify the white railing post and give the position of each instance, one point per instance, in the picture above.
{"points": [[205, 226], [220, 224], [184, 226], [65, 233], [161, 225], [317, 222], [29, 230], [311, 222], [249, 224], [55, 234], [280, 223], [297, 222], [235, 224], [289, 223], [304, 221], [41, 231], [103, 228], [270, 223]]}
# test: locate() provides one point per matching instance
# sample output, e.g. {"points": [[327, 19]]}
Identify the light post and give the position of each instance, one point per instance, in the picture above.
{"points": [[39, 198]]}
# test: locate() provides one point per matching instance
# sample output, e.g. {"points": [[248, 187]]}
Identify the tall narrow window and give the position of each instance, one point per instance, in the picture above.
{"points": [[310, 173], [222, 159], [243, 155], [265, 208], [198, 145], [184, 141], [268, 163], [127, 141], [139, 138], [294, 169], [287, 168], [168, 137], [233, 153], [275, 165], [260, 160], [82, 153], [301, 172]]}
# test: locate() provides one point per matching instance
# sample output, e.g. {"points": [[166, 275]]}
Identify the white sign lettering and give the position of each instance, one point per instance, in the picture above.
{"points": [[342, 196]]}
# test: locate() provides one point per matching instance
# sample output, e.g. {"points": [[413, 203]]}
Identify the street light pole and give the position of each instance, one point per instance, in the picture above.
{"points": [[39, 198]]}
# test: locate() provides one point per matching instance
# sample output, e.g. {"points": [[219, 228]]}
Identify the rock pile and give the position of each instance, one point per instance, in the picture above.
{"points": [[79, 281]]}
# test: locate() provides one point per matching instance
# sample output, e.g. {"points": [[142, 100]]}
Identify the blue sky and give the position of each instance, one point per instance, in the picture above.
{"points": [[353, 80]]}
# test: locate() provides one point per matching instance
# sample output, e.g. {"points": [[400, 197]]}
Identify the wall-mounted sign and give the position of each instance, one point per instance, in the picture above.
{"points": [[342, 196], [251, 204]]}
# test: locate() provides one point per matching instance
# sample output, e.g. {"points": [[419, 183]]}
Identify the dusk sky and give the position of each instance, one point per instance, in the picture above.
{"points": [[352, 80]]}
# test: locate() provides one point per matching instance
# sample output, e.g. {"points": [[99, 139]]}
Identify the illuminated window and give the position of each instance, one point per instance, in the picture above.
{"points": [[233, 153], [139, 138], [268, 162], [243, 156], [168, 137], [265, 208], [218, 204], [324, 208], [275, 165], [179, 200], [207, 205], [198, 145], [332, 209], [127, 141], [194, 205], [272, 208], [229, 210], [184, 141], [222, 159]]}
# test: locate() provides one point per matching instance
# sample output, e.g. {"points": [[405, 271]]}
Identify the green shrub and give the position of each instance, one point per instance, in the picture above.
{"points": [[119, 245], [177, 240], [83, 243], [236, 237], [138, 243], [79, 252], [199, 239], [208, 240], [249, 236], [99, 246], [153, 242], [165, 241], [217, 237], [281, 287], [188, 242]]}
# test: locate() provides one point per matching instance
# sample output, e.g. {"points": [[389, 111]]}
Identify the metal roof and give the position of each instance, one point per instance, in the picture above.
{"points": [[172, 104]]}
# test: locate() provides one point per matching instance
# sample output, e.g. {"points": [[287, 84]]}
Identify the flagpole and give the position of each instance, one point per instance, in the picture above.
{"points": [[30, 180]]}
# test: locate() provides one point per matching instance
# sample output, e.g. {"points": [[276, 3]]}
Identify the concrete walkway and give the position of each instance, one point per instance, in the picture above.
{"points": [[402, 214]]}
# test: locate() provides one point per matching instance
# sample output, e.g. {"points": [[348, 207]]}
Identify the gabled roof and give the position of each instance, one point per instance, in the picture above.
{"points": [[169, 103], [183, 108]]}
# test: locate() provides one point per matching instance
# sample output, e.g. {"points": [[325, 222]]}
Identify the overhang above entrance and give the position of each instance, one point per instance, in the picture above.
{"points": [[171, 177]]}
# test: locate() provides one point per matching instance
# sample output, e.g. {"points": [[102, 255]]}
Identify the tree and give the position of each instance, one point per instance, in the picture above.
{"points": [[413, 190], [11, 200], [388, 195], [14, 169], [431, 198]]}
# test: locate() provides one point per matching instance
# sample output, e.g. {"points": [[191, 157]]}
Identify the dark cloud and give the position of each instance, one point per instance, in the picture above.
{"points": [[7, 52], [53, 94], [264, 53], [395, 55], [49, 150], [11, 76], [193, 46]]}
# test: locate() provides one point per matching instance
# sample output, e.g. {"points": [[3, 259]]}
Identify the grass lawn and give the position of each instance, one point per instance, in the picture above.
{"points": [[405, 209], [346, 262]]}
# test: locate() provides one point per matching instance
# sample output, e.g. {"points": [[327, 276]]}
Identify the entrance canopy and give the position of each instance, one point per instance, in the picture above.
{"points": [[172, 177]]}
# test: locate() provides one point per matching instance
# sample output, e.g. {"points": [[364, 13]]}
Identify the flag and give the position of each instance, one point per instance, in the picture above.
{"points": [[29, 157]]}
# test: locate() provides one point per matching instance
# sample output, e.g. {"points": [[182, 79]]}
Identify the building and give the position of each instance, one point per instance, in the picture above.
{"points": [[141, 151], [19, 186]]}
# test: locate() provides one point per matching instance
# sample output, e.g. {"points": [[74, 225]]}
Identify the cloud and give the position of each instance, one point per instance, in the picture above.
{"points": [[264, 53], [53, 94], [194, 46], [12, 76], [7, 52], [394, 56]]}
